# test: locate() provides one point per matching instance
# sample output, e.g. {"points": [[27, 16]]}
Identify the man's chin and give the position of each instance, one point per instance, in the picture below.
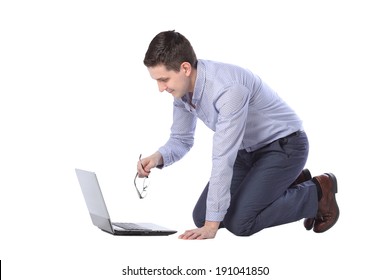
{"points": [[176, 95]]}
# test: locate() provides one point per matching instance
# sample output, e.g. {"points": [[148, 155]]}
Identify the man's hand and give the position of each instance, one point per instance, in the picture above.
{"points": [[208, 231], [146, 164]]}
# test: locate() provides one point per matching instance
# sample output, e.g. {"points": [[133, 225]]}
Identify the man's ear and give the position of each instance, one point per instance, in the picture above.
{"points": [[186, 67]]}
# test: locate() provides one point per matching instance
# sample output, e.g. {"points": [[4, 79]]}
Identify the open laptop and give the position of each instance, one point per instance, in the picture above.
{"points": [[99, 214]]}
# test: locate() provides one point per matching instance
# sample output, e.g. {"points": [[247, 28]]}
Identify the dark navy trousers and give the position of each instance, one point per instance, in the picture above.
{"points": [[261, 192]]}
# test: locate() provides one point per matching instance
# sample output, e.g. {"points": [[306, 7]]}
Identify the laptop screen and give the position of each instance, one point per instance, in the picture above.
{"points": [[94, 199]]}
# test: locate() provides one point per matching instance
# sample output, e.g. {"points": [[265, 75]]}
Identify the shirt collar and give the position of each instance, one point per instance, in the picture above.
{"points": [[200, 82]]}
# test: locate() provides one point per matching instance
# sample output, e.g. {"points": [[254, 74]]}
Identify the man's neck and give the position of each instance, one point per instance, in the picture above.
{"points": [[193, 80]]}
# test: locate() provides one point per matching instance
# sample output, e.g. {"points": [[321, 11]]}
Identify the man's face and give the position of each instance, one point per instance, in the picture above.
{"points": [[175, 83]]}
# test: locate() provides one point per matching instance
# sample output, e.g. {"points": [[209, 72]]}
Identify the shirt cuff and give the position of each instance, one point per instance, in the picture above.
{"points": [[166, 159], [215, 216]]}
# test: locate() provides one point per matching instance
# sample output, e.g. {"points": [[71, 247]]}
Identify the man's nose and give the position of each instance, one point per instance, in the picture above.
{"points": [[162, 87]]}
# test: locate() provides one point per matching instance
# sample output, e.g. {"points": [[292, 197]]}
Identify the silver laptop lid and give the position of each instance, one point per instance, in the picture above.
{"points": [[94, 199]]}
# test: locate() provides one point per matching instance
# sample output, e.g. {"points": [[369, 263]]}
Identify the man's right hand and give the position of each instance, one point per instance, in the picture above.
{"points": [[145, 165]]}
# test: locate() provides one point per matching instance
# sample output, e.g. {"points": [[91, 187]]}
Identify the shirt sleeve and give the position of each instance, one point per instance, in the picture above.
{"points": [[232, 108], [181, 139]]}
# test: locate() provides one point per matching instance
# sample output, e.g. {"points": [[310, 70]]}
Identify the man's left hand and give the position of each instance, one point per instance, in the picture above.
{"points": [[208, 231]]}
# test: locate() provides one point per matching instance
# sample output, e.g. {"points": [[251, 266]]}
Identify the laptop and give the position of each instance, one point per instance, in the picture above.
{"points": [[99, 214]]}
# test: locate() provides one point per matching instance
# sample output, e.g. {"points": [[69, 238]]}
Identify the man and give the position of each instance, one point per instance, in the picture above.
{"points": [[259, 147]]}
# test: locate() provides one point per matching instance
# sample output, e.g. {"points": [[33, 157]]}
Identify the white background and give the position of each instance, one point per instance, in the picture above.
{"points": [[75, 93]]}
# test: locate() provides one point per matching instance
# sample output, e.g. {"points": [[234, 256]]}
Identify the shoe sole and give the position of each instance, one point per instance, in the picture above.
{"points": [[309, 223], [334, 181], [306, 174]]}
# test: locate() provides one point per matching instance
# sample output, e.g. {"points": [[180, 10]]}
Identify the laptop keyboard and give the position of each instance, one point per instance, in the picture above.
{"points": [[129, 226]]}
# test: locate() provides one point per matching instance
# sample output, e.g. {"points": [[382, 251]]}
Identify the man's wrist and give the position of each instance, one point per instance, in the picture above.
{"points": [[212, 224], [159, 159]]}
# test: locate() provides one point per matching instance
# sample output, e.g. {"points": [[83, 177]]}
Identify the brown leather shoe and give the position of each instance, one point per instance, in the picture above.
{"points": [[308, 223], [328, 210]]}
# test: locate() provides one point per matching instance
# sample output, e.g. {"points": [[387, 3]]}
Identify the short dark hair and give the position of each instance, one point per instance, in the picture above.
{"points": [[171, 49]]}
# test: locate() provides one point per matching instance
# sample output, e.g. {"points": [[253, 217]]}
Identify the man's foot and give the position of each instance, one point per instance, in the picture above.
{"points": [[302, 177], [308, 223], [328, 210], [305, 175]]}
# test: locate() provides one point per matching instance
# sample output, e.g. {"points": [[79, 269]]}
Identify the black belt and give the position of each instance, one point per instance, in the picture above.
{"points": [[284, 139], [296, 133]]}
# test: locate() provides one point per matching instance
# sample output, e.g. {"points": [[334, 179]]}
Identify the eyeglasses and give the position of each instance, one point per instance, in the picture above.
{"points": [[141, 184]]}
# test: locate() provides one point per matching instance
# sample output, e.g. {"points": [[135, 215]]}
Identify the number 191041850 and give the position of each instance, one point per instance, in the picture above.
{"points": [[224, 270]]}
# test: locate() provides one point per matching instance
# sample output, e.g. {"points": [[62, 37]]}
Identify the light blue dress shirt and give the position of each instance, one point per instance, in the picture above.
{"points": [[243, 112]]}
